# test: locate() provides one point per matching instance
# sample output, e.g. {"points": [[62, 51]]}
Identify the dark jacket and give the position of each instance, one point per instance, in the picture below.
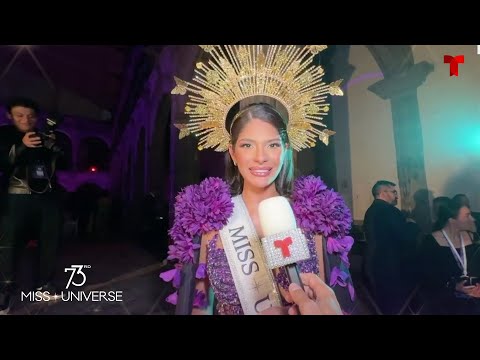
{"points": [[391, 248]]}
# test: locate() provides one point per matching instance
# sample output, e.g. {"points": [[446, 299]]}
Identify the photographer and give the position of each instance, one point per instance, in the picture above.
{"points": [[27, 160]]}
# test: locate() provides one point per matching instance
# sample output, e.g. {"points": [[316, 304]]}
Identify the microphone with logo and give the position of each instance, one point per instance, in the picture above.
{"points": [[284, 244]]}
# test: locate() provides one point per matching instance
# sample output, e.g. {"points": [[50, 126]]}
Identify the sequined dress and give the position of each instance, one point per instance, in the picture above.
{"points": [[221, 279]]}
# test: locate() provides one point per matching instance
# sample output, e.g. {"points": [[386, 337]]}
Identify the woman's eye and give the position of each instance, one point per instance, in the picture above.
{"points": [[246, 145]]}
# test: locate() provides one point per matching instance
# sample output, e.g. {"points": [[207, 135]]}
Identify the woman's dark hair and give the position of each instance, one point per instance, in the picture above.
{"points": [[438, 202], [448, 209], [461, 199], [264, 112]]}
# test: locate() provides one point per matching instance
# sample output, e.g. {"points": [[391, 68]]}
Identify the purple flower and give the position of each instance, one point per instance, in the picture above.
{"points": [[347, 243], [205, 207], [344, 258], [201, 271], [172, 298], [216, 205], [338, 277], [200, 300], [174, 274], [186, 212], [335, 245], [182, 249], [320, 210], [309, 184], [199, 209], [168, 276]]}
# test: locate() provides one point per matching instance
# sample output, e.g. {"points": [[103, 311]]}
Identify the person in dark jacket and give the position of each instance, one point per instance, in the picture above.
{"points": [[27, 160], [391, 249]]}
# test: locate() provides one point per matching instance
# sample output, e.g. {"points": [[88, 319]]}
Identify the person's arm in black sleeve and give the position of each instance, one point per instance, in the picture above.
{"points": [[4, 150], [11, 149], [405, 233]]}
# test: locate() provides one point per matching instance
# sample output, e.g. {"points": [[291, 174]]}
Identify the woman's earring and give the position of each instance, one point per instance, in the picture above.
{"points": [[234, 163]]}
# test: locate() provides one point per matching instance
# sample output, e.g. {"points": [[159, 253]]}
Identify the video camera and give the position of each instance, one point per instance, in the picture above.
{"points": [[46, 133], [51, 125]]}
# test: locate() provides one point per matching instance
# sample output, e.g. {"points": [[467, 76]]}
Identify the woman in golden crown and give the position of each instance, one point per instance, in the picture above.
{"points": [[259, 142]]}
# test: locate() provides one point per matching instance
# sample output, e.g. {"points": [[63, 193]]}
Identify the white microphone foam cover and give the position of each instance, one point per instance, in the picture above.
{"points": [[276, 216]]}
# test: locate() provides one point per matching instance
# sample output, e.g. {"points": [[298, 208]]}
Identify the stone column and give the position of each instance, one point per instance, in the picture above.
{"points": [[342, 69], [401, 90]]}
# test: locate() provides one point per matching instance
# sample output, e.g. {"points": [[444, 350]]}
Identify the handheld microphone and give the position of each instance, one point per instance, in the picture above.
{"points": [[284, 244]]}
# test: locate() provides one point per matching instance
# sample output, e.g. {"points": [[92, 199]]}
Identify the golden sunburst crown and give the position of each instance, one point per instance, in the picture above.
{"points": [[285, 73]]}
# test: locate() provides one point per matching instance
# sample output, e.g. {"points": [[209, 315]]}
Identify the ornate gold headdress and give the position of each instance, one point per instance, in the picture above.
{"points": [[237, 72]]}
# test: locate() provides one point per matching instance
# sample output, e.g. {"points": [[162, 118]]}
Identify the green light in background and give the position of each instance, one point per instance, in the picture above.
{"points": [[469, 138], [477, 139]]}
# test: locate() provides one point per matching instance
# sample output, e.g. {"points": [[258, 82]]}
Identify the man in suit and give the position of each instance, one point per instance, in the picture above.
{"points": [[391, 243]]}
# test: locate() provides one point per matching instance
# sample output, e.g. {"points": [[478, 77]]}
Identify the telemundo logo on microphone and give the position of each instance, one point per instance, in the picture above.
{"points": [[77, 279]]}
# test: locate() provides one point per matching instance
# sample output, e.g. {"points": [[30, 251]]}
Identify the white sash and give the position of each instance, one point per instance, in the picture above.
{"points": [[254, 282]]}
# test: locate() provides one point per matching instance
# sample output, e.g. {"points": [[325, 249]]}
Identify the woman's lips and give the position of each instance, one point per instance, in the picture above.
{"points": [[260, 171]]}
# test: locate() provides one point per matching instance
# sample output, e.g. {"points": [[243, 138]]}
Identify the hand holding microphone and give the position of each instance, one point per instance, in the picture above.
{"points": [[284, 244], [316, 299]]}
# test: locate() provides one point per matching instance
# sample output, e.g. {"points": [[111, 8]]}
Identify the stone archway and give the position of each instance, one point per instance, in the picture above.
{"points": [[93, 152]]}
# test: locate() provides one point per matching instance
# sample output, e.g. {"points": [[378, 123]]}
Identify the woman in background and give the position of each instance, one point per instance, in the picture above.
{"points": [[451, 262]]}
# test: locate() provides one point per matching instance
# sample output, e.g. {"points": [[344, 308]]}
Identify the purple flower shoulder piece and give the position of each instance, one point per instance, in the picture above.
{"points": [[199, 209], [323, 211]]}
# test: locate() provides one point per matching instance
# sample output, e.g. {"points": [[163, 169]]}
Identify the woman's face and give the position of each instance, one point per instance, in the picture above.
{"points": [[465, 220], [258, 153]]}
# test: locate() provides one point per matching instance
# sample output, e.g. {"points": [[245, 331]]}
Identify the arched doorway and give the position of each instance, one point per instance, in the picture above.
{"points": [[65, 162], [93, 153], [84, 206]]}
